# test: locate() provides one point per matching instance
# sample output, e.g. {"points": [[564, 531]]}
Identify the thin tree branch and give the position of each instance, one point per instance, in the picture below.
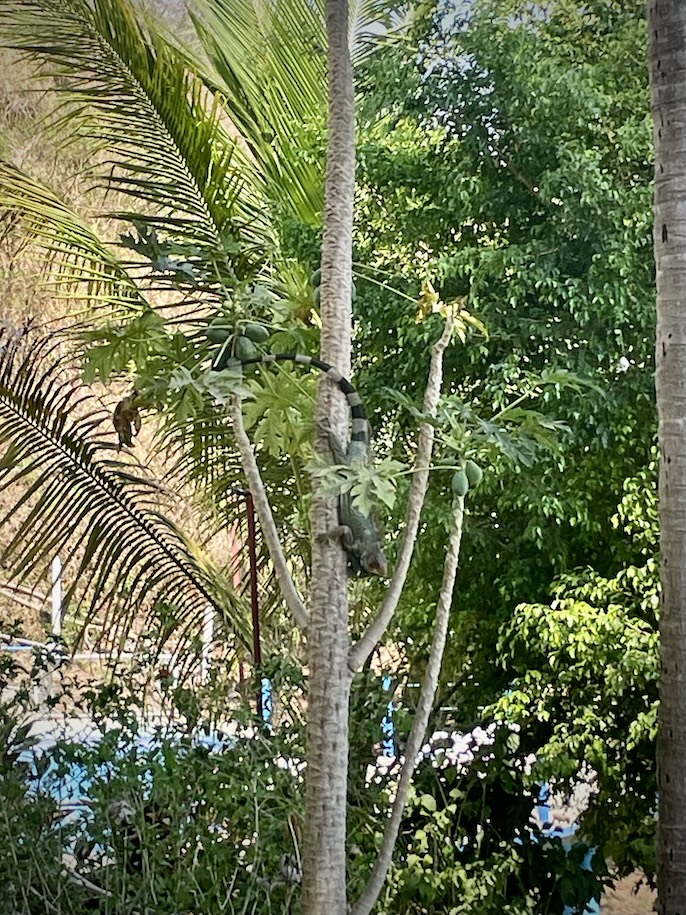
{"points": [[264, 513], [420, 480], [364, 904], [25, 597], [83, 881]]}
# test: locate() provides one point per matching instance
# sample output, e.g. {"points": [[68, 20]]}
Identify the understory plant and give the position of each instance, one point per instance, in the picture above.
{"points": [[204, 813]]}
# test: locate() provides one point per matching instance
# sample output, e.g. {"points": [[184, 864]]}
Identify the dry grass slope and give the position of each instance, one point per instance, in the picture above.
{"points": [[624, 900], [24, 102]]}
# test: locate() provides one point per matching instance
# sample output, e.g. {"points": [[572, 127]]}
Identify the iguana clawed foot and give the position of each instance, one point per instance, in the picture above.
{"points": [[365, 558]]}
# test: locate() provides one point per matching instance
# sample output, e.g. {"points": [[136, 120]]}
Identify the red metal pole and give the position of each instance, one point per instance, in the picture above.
{"points": [[252, 552]]}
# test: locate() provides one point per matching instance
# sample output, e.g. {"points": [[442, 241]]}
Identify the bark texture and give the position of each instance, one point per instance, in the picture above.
{"points": [[417, 735], [667, 33], [329, 678], [264, 513]]}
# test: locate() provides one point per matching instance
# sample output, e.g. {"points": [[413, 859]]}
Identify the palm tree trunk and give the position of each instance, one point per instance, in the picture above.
{"points": [[329, 678], [667, 29]]}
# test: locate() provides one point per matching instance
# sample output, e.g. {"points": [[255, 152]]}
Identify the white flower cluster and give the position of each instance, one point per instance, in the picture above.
{"points": [[445, 749], [452, 750]]}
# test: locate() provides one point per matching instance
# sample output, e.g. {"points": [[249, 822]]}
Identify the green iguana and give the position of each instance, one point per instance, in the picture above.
{"points": [[358, 533]]}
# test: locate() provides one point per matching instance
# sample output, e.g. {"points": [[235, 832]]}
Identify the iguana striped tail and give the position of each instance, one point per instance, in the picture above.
{"points": [[360, 424], [358, 533]]}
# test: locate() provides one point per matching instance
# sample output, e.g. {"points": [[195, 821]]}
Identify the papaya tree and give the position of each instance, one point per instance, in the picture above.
{"points": [[197, 197]]}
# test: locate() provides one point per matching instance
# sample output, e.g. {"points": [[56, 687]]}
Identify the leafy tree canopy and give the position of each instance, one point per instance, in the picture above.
{"points": [[506, 156]]}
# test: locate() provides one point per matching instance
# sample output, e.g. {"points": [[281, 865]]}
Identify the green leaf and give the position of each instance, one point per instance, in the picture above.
{"points": [[428, 802], [133, 557], [79, 264], [271, 60]]}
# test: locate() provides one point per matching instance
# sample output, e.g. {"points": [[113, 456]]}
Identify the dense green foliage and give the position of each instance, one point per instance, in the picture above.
{"points": [[175, 818], [188, 817], [511, 164], [30, 845], [505, 158], [584, 684]]}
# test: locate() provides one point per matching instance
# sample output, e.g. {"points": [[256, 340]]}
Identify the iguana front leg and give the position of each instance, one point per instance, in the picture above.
{"points": [[361, 540], [357, 532]]}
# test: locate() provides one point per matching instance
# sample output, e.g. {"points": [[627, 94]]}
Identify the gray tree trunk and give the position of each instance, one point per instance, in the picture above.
{"points": [[667, 32], [329, 677]]}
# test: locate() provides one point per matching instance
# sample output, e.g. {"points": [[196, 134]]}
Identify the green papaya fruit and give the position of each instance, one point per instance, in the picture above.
{"points": [[245, 349], [218, 331], [258, 333], [316, 279], [474, 473], [221, 360], [460, 483]]}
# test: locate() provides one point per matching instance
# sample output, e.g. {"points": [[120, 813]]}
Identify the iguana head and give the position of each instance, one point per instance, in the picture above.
{"points": [[373, 561]]}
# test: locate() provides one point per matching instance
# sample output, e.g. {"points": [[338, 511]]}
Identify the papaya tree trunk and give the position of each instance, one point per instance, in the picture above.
{"points": [[667, 31], [329, 677]]}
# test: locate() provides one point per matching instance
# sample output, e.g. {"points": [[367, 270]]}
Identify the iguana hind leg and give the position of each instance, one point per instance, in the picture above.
{"points": [[341, 532]]}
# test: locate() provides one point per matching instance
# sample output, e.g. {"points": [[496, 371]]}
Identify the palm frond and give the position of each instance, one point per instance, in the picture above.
{"points": [[201, 450], [375, 22], [80, 265], [201, 454], [126, 560], [271, 58], [160, 136]]}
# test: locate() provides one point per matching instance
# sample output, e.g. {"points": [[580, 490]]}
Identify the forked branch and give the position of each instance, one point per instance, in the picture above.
{"points": [[364, 904], [420, 480], [264, 513]]}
